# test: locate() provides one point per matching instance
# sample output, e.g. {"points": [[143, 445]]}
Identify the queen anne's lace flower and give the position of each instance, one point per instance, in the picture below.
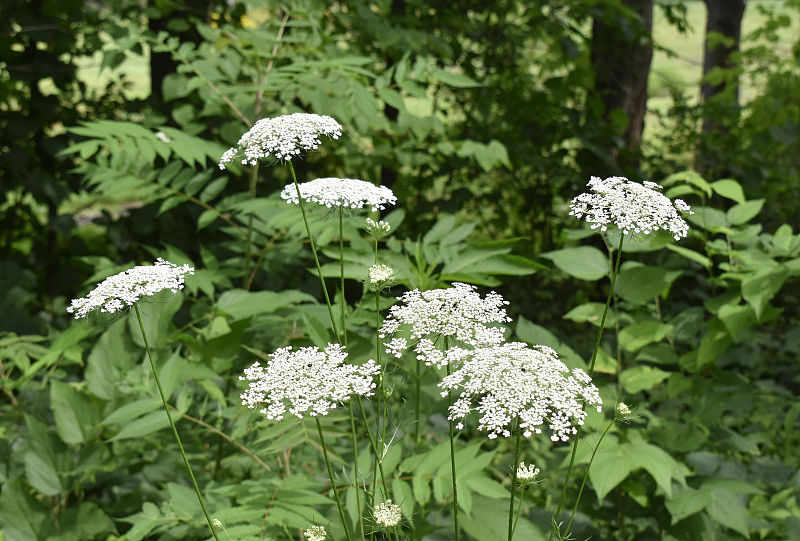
{"points": [[623, 410], [341, 192], [377, 229], [282, 137], [380, 275], [315, 533], [512, 381], [123, 289], [526, 474], [458, 312], [630, 207], [387, 514], [310, 380]]}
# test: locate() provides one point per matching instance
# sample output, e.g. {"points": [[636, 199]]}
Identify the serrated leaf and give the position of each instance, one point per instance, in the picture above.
{"points": [[74, 412], [686, 502]]}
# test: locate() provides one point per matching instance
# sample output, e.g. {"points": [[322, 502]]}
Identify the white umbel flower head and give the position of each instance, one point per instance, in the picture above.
{"points": [[315, 533], [526, 474], [513, 380], [282, 137], [380, 275], [456, 312], [377, 229], [341, 192], [122, 290], [623, 410], [387, 514], [630, 207], [310, 380]]}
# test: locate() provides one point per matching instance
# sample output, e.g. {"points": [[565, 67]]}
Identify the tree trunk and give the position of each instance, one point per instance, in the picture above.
{"points": [[621, 55]]}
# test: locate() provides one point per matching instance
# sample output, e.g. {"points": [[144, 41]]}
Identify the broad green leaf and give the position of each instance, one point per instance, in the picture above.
{"points": [[658, 463], [642, 378], [744, 212], [689, 177], [489, 522], [75, 414], [714, 343], [86, 521], [535, 334], [708, 218], [638, 335], [131, 411], [641, 284], [241, 304], [46, 457], [690, 254], [610, 468], [728, 510], [759, 288], [144, 425], [584, 262], [737, 319], [729, 188], [42, 474], [593, 313], [456, 80], [404, 497], [686, 501], [443, 227], [21, 517]]}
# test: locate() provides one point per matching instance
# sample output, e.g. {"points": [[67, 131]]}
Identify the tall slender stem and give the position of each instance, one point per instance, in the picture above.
{"points": [[374, 445], [356, 470], [614, 273], [333, 481], [172, 423], [586, 474], [314, 250], [341, 276], [514, 485], [452, 455]]}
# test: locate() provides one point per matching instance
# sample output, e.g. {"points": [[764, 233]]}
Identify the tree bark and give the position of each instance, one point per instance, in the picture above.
{"points": [[621, 56]]}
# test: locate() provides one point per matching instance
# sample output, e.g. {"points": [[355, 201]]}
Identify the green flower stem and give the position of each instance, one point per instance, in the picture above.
{"points": [[452, 454], [248, 256], [374, 446], [172, 423], [314, 250], [355, 469], [511, 522], [591, 372], [333, 481], [417, 401], [341, 276], [519, 509], [586, 474]]}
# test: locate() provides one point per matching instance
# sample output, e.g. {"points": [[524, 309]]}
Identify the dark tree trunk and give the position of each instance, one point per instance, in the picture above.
{"points": [[621, 55]]}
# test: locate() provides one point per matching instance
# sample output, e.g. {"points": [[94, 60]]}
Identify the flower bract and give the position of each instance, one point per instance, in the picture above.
{"points": [[307, 381], [124, 289], [377, 229], [282, 137], [457, 312], [341, 192], [630, 207], [514, 381]]}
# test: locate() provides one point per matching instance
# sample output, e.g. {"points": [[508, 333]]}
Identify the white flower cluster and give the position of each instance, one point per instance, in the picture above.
{"points": [[457, 312], [377, 229], [380, 275], [282, 137], [123, 289], [512, 381], [623, 410], [341, 192], [315, 533], [311, 380], [387, 514], [526, 474], [630, 206]]}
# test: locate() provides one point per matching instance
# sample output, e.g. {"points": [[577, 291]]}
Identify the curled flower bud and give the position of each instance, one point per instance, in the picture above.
{"points": [[526, 474], [377, 229], [387, 514], [315, 533], [380, 275], [217, 524], [623, 410]]}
